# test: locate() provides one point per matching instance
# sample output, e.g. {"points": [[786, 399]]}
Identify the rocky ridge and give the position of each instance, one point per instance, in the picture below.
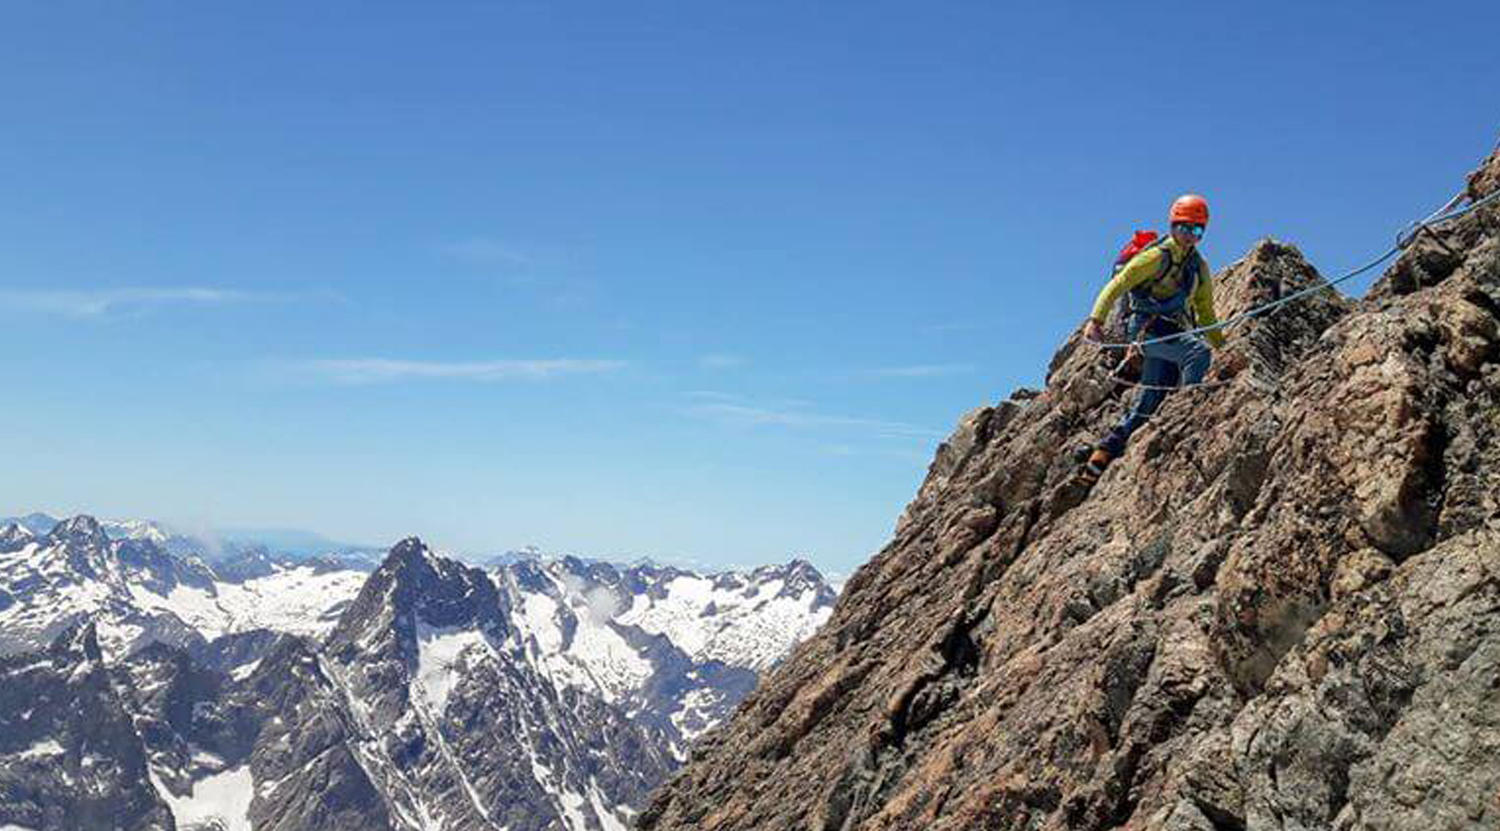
{"points": [[1280, 609]]}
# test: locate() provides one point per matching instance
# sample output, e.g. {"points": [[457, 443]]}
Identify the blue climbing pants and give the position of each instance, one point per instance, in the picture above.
{"points": [[1170, 363]]}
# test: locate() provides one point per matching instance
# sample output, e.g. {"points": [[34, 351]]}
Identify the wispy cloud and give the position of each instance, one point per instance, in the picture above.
{"points": [[719, 396], [905, 455], [953, 326], [713, 395], [485, 251], [94, 303], [721, 361], [387, 370], [545, 273], [923, 371], [746, 415]]}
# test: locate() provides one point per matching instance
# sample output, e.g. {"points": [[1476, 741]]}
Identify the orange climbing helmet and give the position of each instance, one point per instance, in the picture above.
{"points": [[1190, 207]]}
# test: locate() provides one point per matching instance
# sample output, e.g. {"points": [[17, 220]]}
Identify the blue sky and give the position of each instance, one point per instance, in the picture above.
{"points": [[694, 280]]}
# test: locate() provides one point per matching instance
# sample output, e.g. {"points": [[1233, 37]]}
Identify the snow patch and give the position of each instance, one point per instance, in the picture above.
{"points": [[607, 819], [573, 816], [224, 797], [540, 772], [695, 716], [295, 600], [751, 626], [596, 658], [203, 758], [42, 750], [539, 617], [440, 656], [615, 666]]}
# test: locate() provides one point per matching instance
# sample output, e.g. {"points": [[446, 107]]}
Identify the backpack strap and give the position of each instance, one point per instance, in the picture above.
{"points": [[1166, 259], [1143, 303], [1163, 270]]}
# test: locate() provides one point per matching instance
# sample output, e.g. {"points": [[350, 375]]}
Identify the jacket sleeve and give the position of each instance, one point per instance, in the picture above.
{"points": [[1203, 304], [1142, 267]]}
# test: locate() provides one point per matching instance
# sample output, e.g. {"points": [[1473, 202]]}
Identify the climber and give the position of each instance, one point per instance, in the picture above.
{"points": [[1170, 290]]}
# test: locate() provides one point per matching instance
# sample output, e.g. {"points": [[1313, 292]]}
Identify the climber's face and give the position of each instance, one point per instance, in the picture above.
{"points": [[1187, 234]]}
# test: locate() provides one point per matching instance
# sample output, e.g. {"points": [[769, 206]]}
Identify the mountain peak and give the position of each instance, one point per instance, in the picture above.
{"points": [[39, 524], [81, 529], [136, 529], [412, 586], [803, 570], [410, 550], [13, 536], [411, 562], [800, 567]]}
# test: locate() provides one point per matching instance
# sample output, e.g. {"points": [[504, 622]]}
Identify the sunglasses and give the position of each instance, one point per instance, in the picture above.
{"points": [[1194, 228]]}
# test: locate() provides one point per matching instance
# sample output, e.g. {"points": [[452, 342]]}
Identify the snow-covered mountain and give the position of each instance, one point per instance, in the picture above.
{"points": [[540, 694], [135, 593], [671, 646], [223, 549], [40, 525], [135, 529]]}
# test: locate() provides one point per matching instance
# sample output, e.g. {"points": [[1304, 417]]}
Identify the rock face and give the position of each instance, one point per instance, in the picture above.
{"points": [[58, 770], [1280, 609], [462, 730]]}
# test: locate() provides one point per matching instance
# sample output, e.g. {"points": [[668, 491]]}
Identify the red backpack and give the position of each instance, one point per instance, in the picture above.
{"points": [[1138, 243]]}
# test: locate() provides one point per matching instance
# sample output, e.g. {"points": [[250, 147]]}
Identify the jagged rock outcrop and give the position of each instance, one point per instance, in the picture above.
{"points": [[306, 769], [463, 730], [1280, 609], [61, 771]]}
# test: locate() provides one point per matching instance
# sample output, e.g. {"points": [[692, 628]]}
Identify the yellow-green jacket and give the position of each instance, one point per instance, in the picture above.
{"points": [[1145, 266]]}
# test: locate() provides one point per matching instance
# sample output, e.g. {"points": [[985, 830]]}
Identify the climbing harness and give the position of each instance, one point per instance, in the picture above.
{"points": [[1443, 214], [1121, 380]]}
